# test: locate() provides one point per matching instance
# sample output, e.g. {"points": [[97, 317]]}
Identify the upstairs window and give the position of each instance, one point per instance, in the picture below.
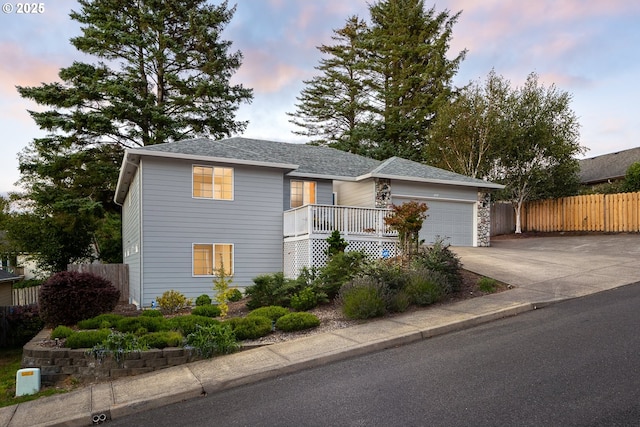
{"points": [[302, 193], [213, 183]]}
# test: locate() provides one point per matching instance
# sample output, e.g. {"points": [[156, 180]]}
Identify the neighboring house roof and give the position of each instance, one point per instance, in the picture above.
{"points": [[608, 167], [6, 276], [299, 160]]}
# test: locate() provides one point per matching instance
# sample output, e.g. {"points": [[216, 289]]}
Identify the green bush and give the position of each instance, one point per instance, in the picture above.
{"points": [[389, 272], [250, 327], [142, 324], [172, 301], [162, 339], [307, 299], [87, 339], [68, 297], [399, 302], [438, 257], [117, 345], [206, 310], [106, 320], [22, 324], [151, 313], [426, 287], [272, 312], [363, 298], [271, 289], [203, 299], [340, 268], [61, 332], [234, 295], [297, 321], [29, 283], [488, 285], [213, 339], [187, 324]]}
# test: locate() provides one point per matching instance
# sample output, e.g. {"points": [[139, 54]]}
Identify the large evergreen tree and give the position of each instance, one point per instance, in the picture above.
{"points": [[381, 85], [163, 74]]}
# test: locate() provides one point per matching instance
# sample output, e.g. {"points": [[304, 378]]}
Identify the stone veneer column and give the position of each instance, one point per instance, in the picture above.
{"points": [[484, 219], [383, 193]]}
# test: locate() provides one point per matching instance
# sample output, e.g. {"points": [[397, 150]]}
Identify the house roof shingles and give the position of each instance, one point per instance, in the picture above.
{"points": [[607, 167], [6, 276], [301, 160]]}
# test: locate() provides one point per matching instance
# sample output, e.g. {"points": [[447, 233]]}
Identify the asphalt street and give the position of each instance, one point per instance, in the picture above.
{"points": [[573, 363]]}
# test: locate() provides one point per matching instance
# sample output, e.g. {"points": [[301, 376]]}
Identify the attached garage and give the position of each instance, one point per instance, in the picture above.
{"points": [[453, 221]]}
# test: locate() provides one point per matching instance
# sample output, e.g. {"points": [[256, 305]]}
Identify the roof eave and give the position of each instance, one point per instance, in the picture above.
{"points": [[481, 184]]}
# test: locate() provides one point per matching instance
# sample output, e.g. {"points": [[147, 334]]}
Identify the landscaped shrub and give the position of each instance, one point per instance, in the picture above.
{"points": [[162, 339], [438, 257], [363, 298], [87, 339], [172, 301], [117, 345], [206, 310], [234, 295], [273, 312], [388, 271], [203, 299], [488, 285], [61, 332], [340, 268], [250, 327], [187, 324], [22, 324], [151, 313], [426, 287], [297, 321], [142, 324], [106, 320], [213, 339], [68, 297], [271, 289], [27, 283], [307, 299], [398, 302]]}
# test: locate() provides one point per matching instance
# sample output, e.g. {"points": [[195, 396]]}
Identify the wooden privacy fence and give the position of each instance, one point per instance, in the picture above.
{"points": [[596, 212], [117, 274], [25, 296]]}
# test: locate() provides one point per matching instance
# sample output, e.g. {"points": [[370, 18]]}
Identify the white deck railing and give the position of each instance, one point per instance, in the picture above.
{"points": [[323, 219]]}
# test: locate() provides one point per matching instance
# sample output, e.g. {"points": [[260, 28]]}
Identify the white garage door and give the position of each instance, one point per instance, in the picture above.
{"points": [[452, 221]]}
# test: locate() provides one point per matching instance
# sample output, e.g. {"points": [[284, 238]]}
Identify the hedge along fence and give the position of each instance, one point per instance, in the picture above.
{"points": [[596, 212], [117, 274]]}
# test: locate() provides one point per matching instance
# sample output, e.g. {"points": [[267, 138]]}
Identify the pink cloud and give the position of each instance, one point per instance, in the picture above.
{"points": [[266, 73], [21, 68]]}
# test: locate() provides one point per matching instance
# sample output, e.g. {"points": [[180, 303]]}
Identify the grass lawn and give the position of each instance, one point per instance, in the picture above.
{"points": [[9, 365]]}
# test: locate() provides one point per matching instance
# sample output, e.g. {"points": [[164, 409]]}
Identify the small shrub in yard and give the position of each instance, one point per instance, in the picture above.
{"points": [[106, 320], [22, 324], [488, 285], [250, 327], [213, 339], [272, 312], [399, 302], [117, 345], [203, 299], [438, 257], [61, 332], [388, 271], [172, 301], [151, 313], [307, 299], [187, 324], [87, 339], [426, 287], [340, 268], [162, 339], [142, 324], [271, 289], [234, 295], [297, 322], [206, 310], [363, 298], [68, 297]]}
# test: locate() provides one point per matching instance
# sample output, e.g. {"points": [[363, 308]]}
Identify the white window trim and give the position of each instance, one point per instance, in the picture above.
{"points": [[233, 183], [233, 258]]}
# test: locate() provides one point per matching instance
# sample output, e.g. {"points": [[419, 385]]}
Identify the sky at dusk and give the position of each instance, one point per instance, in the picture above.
{"points": [[589, 48]]}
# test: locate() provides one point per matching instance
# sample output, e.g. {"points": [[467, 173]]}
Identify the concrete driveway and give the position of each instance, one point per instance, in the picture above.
{"points": [[559, 267]]}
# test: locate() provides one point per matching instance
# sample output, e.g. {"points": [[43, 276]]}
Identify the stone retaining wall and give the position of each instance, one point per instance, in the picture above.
{"points": [[57, 364]]}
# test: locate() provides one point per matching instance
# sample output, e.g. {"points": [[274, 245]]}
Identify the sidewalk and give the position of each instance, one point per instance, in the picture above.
{"points": [[541, 275]]}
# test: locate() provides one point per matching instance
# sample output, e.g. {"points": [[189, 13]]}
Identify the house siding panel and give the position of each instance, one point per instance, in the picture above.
{"points": [[131, 239], [361, 194], [174, 221]]}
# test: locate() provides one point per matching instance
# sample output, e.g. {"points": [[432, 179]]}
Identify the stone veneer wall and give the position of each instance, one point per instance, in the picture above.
{"points": [[383, 193], [57, 364], [484, 219]]}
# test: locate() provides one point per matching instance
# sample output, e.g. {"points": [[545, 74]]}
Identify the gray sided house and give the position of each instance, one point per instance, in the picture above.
{"points": [[253, 207]]}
